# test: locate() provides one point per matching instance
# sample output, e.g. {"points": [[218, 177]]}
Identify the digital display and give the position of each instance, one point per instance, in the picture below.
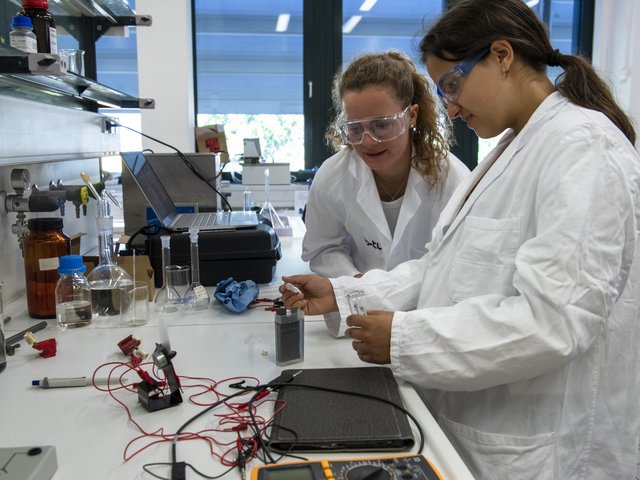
{"points": [[302, 472]]}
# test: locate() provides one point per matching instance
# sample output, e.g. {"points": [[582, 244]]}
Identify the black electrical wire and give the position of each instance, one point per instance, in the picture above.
{"points": [[348, 392], [273, 385], [146, 231], [182, 156]]}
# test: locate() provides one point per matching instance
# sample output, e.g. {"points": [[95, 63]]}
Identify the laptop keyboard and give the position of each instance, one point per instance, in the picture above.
{"points": [[204, 219]]}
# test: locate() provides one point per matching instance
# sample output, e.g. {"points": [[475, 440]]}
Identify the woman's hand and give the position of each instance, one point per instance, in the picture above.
{"points": [[371, 335], [315, 294]]}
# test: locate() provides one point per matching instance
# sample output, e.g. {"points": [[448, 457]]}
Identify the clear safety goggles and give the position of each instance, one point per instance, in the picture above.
{"points": [[451, 81], [380, 129]]}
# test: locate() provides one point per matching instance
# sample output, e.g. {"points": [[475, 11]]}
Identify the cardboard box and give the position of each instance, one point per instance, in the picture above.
{"points": [[144, 271], [211, 139], [75, 242]]}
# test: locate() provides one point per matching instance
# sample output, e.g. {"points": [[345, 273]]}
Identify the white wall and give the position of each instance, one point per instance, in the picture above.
{"points": [[165, 73], [616, 51]]}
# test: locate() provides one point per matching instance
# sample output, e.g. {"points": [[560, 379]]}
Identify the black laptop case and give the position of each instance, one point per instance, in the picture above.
{"points": [[244, 254], [316, 420]]}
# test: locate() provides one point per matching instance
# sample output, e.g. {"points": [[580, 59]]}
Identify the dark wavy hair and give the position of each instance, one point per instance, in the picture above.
{"points": [[472, 25], [395, 71]]}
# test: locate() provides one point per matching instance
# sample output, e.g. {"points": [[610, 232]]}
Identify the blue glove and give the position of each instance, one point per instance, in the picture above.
{"points": [[236, 296]]}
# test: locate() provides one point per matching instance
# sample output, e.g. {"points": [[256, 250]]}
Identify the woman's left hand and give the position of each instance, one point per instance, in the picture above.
{"points": [[371, 336]]}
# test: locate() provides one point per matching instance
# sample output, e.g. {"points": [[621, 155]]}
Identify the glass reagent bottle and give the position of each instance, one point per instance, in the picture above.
{"points": [[22, 36], [73, 294], [107, 280]]}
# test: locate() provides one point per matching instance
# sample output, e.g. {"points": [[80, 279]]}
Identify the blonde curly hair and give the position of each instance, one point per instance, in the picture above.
{"points": [[395, 71]]}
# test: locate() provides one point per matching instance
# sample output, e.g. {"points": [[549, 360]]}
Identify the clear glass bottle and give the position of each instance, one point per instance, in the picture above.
{"points": [[197, 297], [22, 36], [161, 299], [107, 279], [42, 248], [73, 294]]}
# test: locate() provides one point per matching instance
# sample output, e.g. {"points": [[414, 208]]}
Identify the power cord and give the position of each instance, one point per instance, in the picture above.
{"points": [[111, 123]]}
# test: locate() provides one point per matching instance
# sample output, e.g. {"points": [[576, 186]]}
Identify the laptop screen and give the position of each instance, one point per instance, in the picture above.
{"points": [[151, 187]]}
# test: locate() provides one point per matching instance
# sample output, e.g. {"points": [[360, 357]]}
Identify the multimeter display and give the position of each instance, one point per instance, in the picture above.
{"points": [[297, 472], [412, 467]]}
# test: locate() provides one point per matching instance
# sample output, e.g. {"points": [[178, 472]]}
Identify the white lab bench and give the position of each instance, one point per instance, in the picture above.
{"points": [[90, 430]]}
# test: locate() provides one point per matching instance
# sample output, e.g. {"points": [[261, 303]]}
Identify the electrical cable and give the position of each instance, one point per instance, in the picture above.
{"points": [[363, 395], [112, 123], [274, 385]]}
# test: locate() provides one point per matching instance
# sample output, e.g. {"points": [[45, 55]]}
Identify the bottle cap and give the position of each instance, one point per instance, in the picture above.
{"points": [[21, 21], [43, 224], [71, 264], [44, 4]]}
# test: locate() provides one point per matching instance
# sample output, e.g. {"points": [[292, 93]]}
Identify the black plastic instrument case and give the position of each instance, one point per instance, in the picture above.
{"points": [[244, 254]]}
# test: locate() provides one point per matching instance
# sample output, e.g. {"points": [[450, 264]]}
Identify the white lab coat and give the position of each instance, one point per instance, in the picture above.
{"points": [[347, 231], [520, 326]]}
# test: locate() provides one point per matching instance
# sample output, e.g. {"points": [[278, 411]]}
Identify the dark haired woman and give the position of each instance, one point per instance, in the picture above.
{"points": [[520, 327]]}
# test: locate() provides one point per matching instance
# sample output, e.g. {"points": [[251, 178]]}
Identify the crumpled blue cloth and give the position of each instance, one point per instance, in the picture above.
{"points": [[236, 296]]}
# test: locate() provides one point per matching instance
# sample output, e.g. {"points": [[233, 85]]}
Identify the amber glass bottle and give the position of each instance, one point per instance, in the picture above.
{"points": [[44, 25], [42, 248]]}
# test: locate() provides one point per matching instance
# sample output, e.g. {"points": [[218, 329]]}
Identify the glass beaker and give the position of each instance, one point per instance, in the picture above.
{"points": [[134, 305], [178, 282]]}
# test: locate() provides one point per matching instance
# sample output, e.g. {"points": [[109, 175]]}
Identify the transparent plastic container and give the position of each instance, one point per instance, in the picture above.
{"points": [[73, 294]]}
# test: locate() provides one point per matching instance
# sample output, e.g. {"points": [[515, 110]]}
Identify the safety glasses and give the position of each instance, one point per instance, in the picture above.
{"points": [[451, 81], [380, 129]]}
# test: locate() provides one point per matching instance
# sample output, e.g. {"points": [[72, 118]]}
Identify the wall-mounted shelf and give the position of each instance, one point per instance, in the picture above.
{"points": [[42, 77], [29, 73]]}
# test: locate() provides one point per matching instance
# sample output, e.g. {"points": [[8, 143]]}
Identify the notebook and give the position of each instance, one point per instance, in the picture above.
{"points": [[315, 420], [166, 210]]}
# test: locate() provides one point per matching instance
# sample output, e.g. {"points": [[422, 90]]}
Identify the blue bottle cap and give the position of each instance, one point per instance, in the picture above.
{"points": [[71, 264], [21, 21]]}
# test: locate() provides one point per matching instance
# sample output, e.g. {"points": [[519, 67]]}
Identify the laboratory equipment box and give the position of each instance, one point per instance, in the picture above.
{"points": [[244, 254]]}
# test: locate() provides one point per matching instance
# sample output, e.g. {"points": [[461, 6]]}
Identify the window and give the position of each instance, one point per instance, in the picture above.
{"points": [[249, 74]]}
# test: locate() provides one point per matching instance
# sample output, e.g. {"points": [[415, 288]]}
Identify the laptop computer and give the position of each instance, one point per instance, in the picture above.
{"points": [[322, 420], [159, 200]]}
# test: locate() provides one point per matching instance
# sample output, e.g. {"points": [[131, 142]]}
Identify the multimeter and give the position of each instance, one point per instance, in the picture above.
{"points": [[411, 467]]}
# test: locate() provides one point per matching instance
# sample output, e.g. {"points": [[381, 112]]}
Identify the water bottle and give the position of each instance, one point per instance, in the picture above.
{"points": [[73, 294]]}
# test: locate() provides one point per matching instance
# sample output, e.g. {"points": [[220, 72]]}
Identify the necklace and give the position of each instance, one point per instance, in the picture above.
{"points": [[395, 195]]}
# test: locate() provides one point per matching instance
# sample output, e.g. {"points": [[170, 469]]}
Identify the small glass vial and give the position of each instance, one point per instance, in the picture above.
{"points": [[357, 303], [248, 201], [22, 36], [42, 248], [73, 294]]}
